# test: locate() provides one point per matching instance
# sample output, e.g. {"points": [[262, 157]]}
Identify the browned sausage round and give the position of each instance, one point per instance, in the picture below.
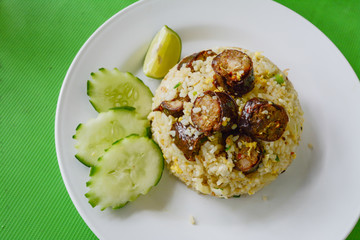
{"points": [[234, 72], [189, 145], [203, 55], [214, 111], [174, 108], [248, 154], [263, 119], [186, 60]]}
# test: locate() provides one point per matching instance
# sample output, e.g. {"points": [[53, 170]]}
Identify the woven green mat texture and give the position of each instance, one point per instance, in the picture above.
{"points": [[38, 41]]}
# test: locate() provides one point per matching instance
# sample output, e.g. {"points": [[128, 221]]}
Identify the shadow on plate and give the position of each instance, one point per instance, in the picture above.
{"points": [[155, 200]]}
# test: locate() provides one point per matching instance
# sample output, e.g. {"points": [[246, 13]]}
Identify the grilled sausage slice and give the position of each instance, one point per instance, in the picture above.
{"points": [[189, 145], [174, 107], [249, 153], [187, 61], [214, 111], [234, 72], [203, 55], [263, 119]]}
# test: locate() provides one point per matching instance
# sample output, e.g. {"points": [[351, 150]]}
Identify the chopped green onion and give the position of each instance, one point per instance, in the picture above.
{"points": [[227, 148], [277, 158], [177, 85], [236, 196], [194, 93], [279, 79]]}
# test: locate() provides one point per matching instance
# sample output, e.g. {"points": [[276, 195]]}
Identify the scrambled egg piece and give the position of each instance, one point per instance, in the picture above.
{"points": [[175, 167]]}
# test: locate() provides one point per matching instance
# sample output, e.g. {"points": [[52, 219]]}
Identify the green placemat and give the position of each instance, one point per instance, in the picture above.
{"points": [[38, 41]]}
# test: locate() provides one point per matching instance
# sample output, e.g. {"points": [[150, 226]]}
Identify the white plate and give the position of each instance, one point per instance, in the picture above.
{"points": [[317, 198]]}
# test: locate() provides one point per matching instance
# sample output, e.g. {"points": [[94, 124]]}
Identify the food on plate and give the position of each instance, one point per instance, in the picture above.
{"points": [[214, 111], [187, 61], [97, 135], [174, 107], [188, 144], [130, 167], [248, 152], [263, 119], [234, 72], [233, 124], [192, 220], [124, 161], [163, 53], [112, 88]]}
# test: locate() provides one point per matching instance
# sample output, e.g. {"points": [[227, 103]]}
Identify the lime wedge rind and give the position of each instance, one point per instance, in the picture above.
{"points": [[163, 53]]}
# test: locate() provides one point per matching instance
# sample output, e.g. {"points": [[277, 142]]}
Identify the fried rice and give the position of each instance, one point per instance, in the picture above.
{"points": [[212, 171]]}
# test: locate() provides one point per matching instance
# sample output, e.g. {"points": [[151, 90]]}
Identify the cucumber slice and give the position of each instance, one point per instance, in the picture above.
{"points": [[130, 167], [98, 134], [112, 88]]}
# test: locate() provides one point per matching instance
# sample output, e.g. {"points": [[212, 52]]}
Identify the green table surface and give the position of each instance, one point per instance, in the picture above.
{"points": [[38, 41]]}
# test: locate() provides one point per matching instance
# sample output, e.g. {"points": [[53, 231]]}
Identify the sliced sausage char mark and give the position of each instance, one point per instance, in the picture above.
{"points": [[189, 145], [206, 114], [173, 107], [233, 72], [214, 111], [263, 119], [249, 154], [188, 61], [203, 55]]}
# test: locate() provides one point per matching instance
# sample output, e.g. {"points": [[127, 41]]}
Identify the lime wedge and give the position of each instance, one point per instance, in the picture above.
{"points": [[164, 52]]}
